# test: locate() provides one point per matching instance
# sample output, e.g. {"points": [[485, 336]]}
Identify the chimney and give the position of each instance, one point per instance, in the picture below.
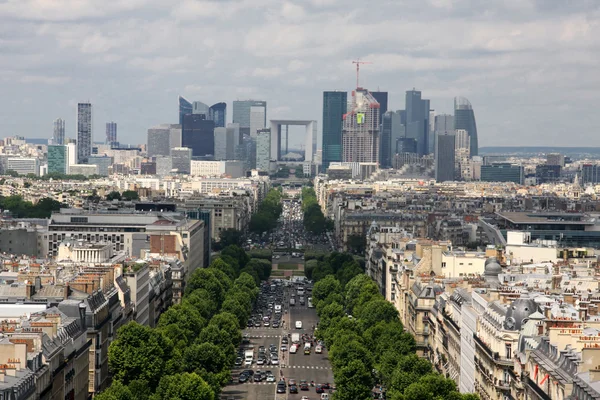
{"points": [[82, 308], [29, 290], [66, 291], [568, 298], [38, 284]]}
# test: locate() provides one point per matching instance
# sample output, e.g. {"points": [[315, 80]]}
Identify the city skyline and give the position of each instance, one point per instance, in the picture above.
{"points": [[502, 57]]}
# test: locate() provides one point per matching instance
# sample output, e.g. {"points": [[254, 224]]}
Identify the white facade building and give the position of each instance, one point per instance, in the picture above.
{"points": [[23, 165]]}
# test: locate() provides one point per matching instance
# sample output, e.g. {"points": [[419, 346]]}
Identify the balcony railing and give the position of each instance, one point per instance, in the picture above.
{"points": [[536, 389], [493, 355]]}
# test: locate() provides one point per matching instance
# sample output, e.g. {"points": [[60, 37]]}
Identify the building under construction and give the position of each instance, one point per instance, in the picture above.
{"points": [[360, 134]]}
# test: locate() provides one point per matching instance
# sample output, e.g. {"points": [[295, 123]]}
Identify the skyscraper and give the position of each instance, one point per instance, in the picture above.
{"points": [[162, 138], [111, 133], [185, 107], [391, 131], [58, 159], [198, 134], [382, 99], [218, 113], [360, 134], [84, 132], [263, 149], [417, 120], [227, 142], [251, 115], [58, 136], [199, 107], [334, 109], [181, 158], [444, 157], [464, 118]]}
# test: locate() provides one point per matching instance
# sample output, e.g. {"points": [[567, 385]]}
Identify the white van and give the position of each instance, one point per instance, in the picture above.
{"points": [[324, 396], [277, 308]]}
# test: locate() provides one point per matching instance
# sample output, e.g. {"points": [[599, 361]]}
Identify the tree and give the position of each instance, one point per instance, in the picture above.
{"points": [[230, 236], [325, 287], [229, 323], [201, 300], [359, 289], [233, 306], [207, 356], [206, 278], [186, 318], [116, 391], [349, 270], [353, 381], [222, 266], [139, 352], [185, 386], [357, 243], [237, 253], [309, 267], [262, 267], [114, 195], [130, 195], [376, 311]]}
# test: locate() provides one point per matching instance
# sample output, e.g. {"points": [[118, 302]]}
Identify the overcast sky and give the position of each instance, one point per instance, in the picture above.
{"points": [[529, 67]]}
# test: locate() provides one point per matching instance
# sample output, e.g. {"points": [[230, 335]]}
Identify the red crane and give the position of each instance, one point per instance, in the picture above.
{"points": [[358, 63]]}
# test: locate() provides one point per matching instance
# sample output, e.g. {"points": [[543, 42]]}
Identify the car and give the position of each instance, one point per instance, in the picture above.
{"points": [[257, 324], [239, 361], [283, 347], [319, 388], [284, 340], [318, 349], [275, 324], [243, 378], [298, 324], [270, 378], [257, 378], [293, 389], [326, 385], [266, 323], [291, 382], [260, 361], [261, 349], [274, 361], [304, 398], [281, 387], [303, 385]]}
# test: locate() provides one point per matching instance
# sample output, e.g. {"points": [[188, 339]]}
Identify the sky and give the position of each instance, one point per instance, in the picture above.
{"points": [[529, 67]]}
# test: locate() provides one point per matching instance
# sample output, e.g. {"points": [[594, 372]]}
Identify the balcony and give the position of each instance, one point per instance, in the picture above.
{"points": [[502, 385], [493, 355], [535, 388]]}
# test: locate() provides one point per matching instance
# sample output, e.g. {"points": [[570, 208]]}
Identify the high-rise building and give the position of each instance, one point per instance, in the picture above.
{"points": [[111, 134], [185, 107], [218, 113], [181, 158], [464, 118], [164, 165], [102, 162], [502, 172], [199, 107], [555, 159], [71, 154], [58, 137], [443, 123], [251, 115], [263, 149], [444, 157], [417, 120], [391, 131], [227, 142], [382, 99], [58, 159], [198, 134], [84, 132], [545, 173], [334, 108], [159, 141], [462, 139], [406, 145], [360, 134], [220, 143]]}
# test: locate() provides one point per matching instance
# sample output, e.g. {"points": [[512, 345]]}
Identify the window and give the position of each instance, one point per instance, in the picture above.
{"points": [[443, 265]]}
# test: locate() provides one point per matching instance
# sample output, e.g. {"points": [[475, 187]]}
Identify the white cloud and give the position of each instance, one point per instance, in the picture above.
{"points": [[516, 57]]}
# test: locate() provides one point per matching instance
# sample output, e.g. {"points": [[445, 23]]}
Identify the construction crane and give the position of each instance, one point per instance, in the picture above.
{"points": [[358, 63]]}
